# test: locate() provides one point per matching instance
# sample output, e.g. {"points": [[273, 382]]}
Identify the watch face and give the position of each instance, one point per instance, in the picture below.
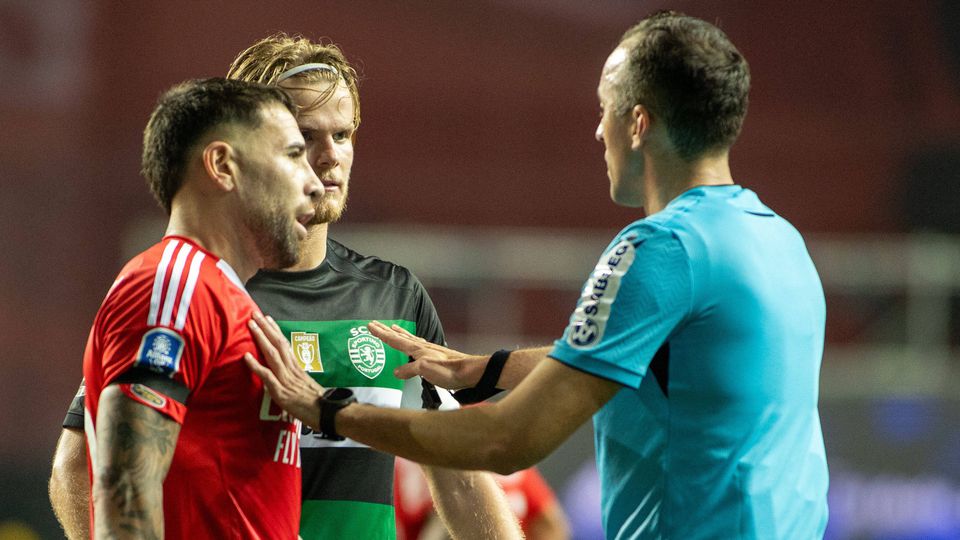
{"points": [[338, 394]]}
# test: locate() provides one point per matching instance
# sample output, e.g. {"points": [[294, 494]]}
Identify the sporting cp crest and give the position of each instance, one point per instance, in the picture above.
{"points": [[367, 354], [306, 349]]}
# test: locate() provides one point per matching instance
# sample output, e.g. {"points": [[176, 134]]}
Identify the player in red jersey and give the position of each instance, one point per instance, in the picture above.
{"points": [[183, 442]]}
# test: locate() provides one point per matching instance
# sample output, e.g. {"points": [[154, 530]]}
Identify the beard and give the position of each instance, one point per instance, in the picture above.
{"points": [[275, 236], [329, 209]]}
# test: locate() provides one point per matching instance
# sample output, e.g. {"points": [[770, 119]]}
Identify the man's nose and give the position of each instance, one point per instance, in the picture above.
{"points": [[599, 133], [326, 155], [313, 187]]}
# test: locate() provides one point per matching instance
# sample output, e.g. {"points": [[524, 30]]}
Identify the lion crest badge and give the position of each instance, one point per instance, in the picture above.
{"points": [[366, 353]]}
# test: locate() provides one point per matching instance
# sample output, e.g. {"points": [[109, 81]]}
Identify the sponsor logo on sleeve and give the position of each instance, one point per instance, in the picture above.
{"points": [[366, 352], [148, 396], [589, 320], [306, 349], [160, 351]]}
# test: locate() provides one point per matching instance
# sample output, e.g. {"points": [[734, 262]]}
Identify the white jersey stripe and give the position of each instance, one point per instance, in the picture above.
{"points": [[187, 295], [91, 434], [381, 397], [174, 284], [158, 281], [231, 274]]}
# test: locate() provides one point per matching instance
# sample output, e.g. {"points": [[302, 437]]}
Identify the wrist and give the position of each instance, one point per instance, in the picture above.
{"points": [[331, 403], [486, 386]]}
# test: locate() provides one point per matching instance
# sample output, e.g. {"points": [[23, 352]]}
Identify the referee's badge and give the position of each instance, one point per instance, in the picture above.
{"points": [[306, 349]]}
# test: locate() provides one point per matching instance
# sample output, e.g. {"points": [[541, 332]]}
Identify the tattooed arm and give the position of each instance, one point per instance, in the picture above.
{"points": [[134, 448]]}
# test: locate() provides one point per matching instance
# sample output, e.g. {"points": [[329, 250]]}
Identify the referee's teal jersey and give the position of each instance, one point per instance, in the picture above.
{"points": [[711, 315]]}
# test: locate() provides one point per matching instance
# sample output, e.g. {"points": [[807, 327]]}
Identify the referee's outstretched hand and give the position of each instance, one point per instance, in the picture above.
{"points": [[443, 367], [289, 386]]}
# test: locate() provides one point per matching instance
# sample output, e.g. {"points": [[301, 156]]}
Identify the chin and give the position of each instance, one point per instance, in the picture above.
{"points": [[630, 200]]}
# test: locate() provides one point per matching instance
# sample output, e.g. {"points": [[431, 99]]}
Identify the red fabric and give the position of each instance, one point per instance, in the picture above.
{"points": [[236, 468], [527, 492]]}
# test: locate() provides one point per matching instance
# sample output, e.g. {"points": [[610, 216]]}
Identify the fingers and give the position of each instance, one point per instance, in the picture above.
{"points": [[273, 345], [259, 370], [395, 339], [408, 370], [271, 329]]}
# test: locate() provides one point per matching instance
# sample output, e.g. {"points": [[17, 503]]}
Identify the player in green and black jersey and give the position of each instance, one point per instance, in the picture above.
{"points": [[323, 305], [324, 311]]}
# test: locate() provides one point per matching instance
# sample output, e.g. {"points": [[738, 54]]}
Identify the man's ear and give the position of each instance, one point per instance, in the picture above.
{"points": [[640, 130], [219, 162]]}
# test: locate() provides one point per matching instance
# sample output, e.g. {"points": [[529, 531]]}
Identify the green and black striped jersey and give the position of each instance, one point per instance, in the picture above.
{"points": [[348, 487]]}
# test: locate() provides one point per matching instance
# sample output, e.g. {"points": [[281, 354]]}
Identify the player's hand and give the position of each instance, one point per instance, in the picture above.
{"points": [[288, 385], [443, 367]]}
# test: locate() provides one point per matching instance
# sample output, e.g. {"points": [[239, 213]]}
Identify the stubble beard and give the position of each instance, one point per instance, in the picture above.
{"points": [[330, 209], [276, 238]]}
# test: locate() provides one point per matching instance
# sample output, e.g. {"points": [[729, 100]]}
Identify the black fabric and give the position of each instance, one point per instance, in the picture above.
{"points": [[486, 387], [351, 286], [660, 367], [73, 420], [74, 417], [347, 474], [160, 383]]}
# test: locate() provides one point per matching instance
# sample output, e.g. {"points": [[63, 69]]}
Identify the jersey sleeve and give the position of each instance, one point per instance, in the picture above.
{"points": [[428, 322], [158, 359], [74, 417], [636, 296], [417, 392]]}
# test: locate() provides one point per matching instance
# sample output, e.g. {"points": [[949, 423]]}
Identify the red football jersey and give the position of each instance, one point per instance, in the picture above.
{"points": [[179, 311]]}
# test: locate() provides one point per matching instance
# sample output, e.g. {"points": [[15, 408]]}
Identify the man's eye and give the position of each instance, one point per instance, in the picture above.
{"points": [[307, 135], [341, 136]]}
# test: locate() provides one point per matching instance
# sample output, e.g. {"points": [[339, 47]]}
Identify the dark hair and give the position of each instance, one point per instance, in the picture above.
{"points": [[687, 71], [188, 111]]}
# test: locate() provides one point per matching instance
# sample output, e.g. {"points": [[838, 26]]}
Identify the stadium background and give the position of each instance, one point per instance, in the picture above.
{"points": [[476, 167]]}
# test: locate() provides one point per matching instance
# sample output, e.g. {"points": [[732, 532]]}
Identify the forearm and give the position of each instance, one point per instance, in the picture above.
{"points": [[135, 446], [70, 485], [519, 365], [511, 434], [471, 504]]}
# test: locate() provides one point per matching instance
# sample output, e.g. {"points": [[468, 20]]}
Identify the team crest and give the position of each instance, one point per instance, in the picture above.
{"points": [[306, 349], [367, 354]]}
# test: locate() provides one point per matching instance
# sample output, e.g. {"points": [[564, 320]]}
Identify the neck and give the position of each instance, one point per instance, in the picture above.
{"points": [[215, 230], [668, 177], [313, 249]]}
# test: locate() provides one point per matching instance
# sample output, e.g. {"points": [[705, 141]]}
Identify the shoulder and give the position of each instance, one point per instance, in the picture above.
{"points": [[651, 234], [172, 281], [348, 261]]}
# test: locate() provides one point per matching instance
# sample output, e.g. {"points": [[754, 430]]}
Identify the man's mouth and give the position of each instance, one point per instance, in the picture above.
{"points": [[330, 184], [304, 219]]}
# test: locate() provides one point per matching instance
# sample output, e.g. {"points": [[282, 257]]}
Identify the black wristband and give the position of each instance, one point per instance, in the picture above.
{"points": [[487, 386], [331, 402]]}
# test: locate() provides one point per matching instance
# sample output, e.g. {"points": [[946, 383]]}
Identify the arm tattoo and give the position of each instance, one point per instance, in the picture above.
{"points": [[135, 447]]}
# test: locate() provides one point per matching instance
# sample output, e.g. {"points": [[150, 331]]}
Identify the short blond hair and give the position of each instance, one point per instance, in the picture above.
{"points": [[265, 60]]}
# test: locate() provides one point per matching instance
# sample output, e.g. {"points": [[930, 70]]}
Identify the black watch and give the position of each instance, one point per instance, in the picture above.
{"points": [[331, 402]]}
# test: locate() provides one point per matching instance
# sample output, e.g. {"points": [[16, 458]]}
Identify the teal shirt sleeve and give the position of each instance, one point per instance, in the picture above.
{"points": [[638, 293]]}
